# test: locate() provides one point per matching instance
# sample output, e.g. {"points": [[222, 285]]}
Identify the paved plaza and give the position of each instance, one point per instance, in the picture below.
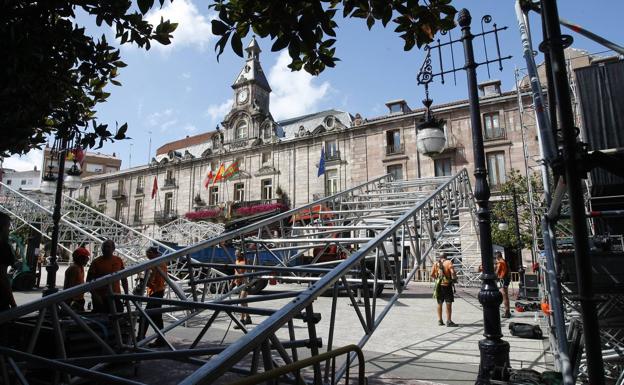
{"points": [[408, 348]]}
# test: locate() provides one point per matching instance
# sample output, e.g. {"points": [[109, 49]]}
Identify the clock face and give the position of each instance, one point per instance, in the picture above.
{"points": [[242, 96]]}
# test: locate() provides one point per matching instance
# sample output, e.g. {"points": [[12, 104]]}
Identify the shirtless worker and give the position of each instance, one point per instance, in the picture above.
{"points": [[105, 264], [74, 276], [444, 269]]}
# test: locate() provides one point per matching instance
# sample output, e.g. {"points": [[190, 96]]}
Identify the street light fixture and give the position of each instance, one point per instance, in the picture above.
{"points": [[503, 226], [430, 139], [73, 180], [60, 149], [494, 350]]}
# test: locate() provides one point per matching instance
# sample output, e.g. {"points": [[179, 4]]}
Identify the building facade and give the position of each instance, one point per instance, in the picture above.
{"points": [[21, 180], [278, 161]]}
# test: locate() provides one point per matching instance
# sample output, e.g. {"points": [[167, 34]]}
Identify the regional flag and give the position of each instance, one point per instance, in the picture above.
{"points": [[155, 187], [321, 166], [209, 177], [231, 171], [219, 174]]}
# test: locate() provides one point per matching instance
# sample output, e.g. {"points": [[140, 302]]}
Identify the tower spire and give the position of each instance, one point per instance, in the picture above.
{"points": [[253, 49]]}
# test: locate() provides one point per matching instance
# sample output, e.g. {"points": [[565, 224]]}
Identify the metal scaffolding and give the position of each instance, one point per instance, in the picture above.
{"points": [[350, 245]]}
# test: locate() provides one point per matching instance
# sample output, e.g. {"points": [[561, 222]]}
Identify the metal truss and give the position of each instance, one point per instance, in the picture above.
{"points": [[81, 224], [348, 246], [184, 232]]}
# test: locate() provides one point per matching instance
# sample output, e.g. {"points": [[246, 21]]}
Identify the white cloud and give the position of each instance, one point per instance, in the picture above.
{"points": [[190, 128], [194, 29], [216, 112], [294, 93], [26, 162], [157, 118], [186, 75], [165, 126]]}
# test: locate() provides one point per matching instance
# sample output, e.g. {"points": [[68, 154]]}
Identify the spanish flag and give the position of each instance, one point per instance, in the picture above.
{"points": [[219, 174]]}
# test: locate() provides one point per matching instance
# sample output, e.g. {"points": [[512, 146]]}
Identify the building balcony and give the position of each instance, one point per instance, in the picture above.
{"points": [[169, 183], [137, 220], [395, 149], [139, 191], [241, 204], [495, 134], [119, 194], [165, 216], [332, 156]]}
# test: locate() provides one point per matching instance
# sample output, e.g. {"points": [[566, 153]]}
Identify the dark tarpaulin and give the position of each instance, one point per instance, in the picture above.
{"points": [[601, 93]]}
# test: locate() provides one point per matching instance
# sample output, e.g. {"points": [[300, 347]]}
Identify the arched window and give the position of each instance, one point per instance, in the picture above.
{"points": [[215, 141], [241, 130]]}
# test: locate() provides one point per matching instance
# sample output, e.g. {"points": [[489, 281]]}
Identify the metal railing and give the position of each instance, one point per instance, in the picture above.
{"points": [[119, 194], [495, 133], [395, 149], [383, 230], [332, 155]]}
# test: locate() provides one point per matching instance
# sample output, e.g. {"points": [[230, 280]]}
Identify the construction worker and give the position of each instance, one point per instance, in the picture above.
{"points": [[155, 288], [504, 278], [105, 264], [240, 281], [74, 276], [444, 271]]}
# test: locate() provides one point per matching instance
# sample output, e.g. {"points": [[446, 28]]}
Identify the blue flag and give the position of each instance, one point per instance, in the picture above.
{"points": [[321, 169]]}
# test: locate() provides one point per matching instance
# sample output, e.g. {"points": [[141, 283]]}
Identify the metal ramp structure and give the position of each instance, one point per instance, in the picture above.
{"points": [[184, 232], [81, 224], [348, 246]]}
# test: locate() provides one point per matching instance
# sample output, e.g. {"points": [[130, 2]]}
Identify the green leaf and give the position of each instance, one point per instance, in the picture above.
{"points": [[370, 21], [219, 28], [237, 44], [280, 43], [145, 5]]}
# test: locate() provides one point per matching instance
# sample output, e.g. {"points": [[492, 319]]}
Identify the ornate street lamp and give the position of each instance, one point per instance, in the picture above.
{"points": [[48, 181], [60, 149], [73, 180], [430, 139], [494, 350]]}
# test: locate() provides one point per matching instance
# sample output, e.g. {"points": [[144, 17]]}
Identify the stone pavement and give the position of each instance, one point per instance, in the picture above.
{"points": [[408, 347]]}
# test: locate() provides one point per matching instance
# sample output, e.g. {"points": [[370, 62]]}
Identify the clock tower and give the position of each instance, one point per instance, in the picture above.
{"points": [[250, 110]]}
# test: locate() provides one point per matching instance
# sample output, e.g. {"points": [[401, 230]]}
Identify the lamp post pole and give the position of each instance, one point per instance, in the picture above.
{"points": [[52, 266], [517, 223], [494, 351]]}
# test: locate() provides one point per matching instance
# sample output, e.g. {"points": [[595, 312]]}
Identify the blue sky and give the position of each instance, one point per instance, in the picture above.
{"points": [[172, 91]]}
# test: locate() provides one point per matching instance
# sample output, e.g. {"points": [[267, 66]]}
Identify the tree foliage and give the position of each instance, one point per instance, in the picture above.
{"points": [[308, 27], [55, 73], [503, 210]]}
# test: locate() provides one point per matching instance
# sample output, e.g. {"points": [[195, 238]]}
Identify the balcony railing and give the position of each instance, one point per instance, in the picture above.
{"points": [[395, 149], [333, 155], [497, 133], [170, 182], [119, 194], [165, 216], [238, 205]]}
